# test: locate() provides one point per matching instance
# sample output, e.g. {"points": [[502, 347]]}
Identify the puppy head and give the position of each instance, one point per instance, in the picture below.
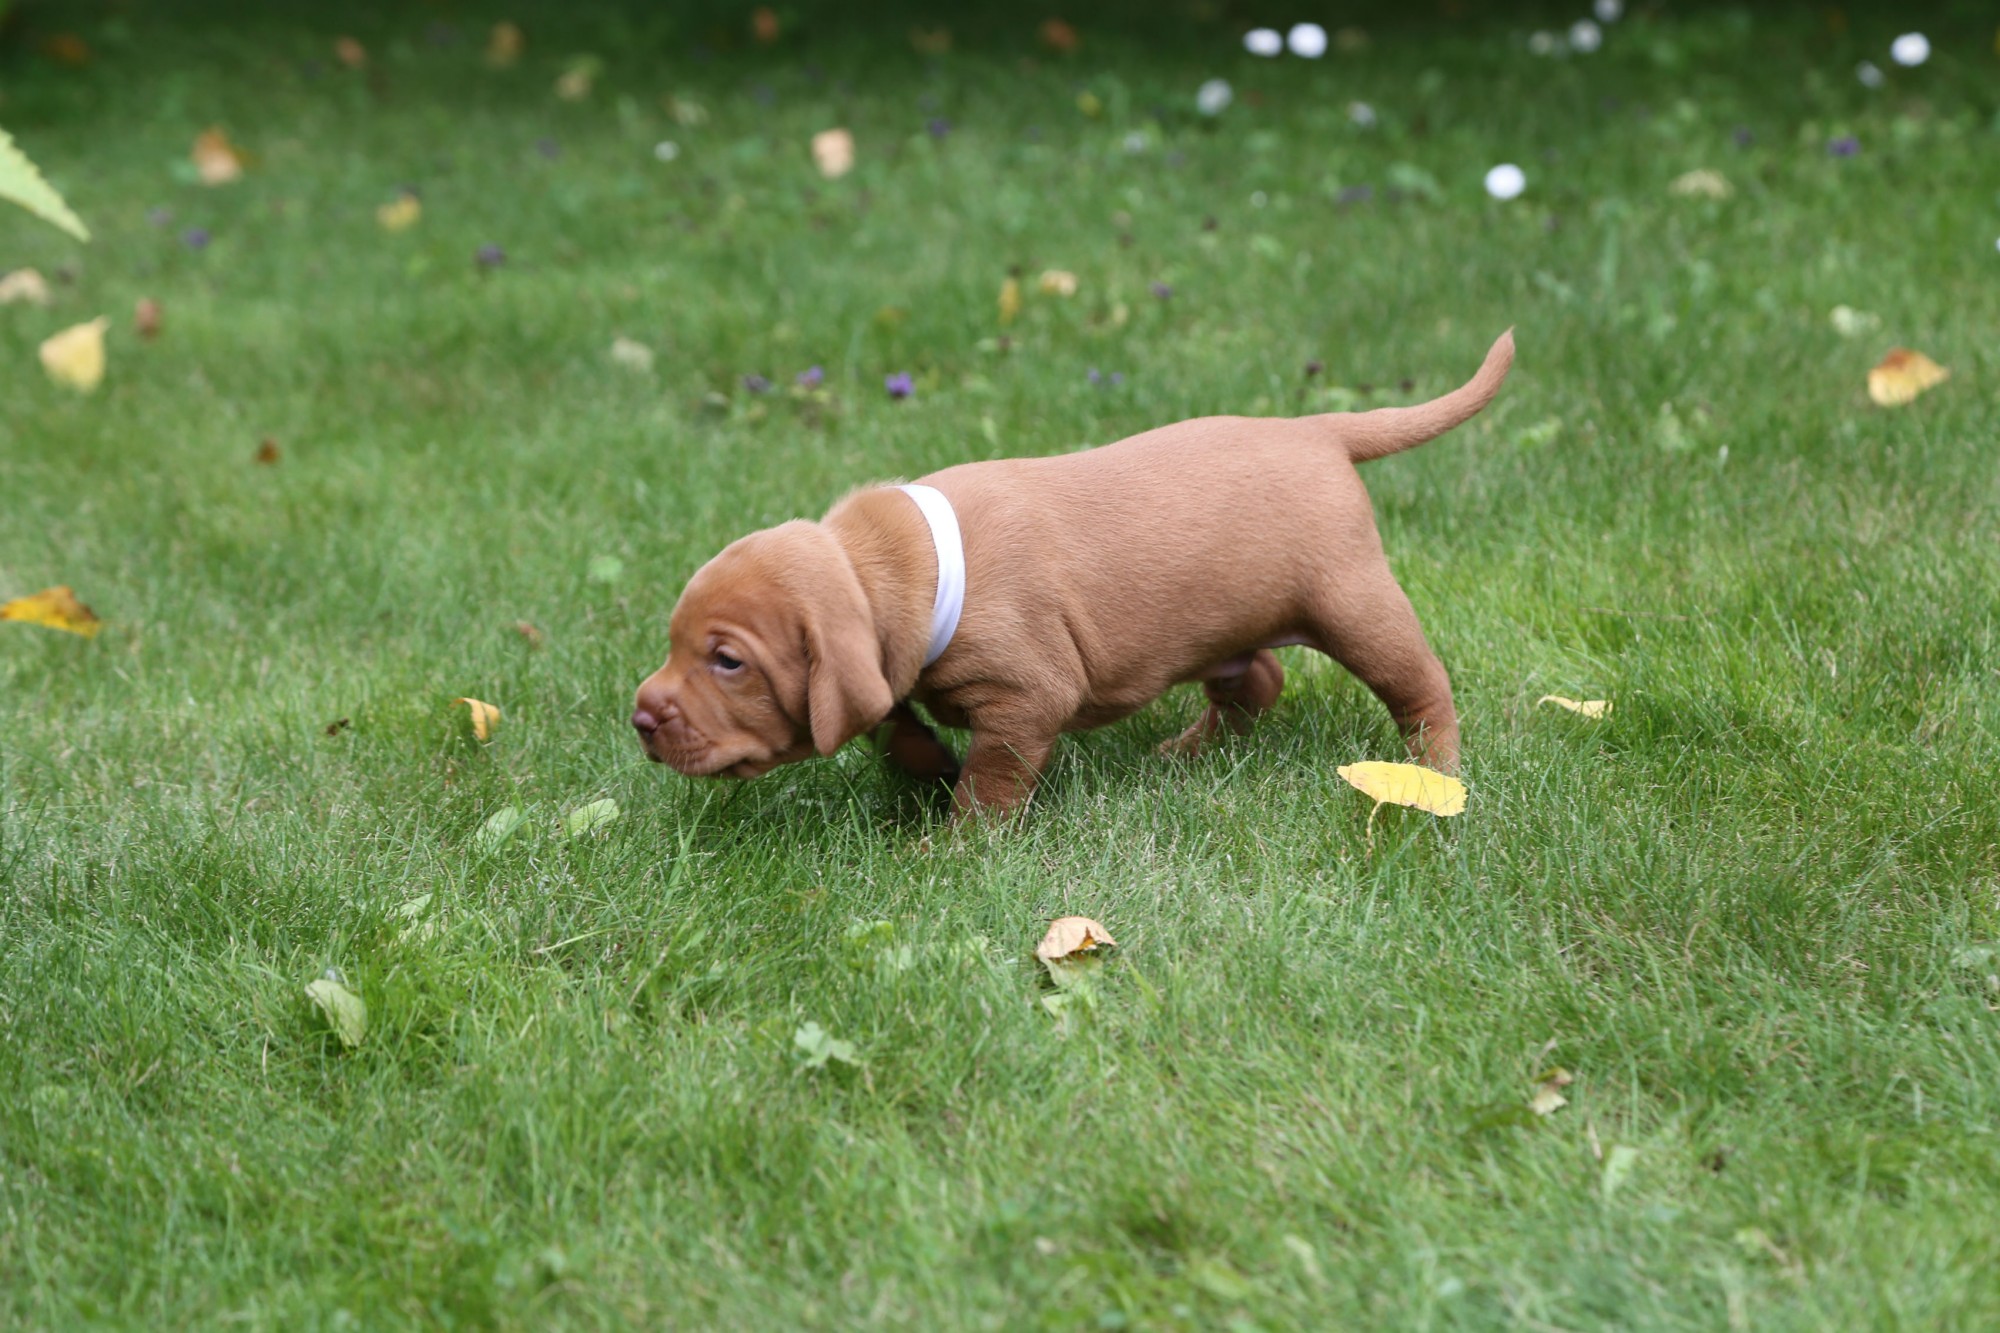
{"points": [[774, 658]]}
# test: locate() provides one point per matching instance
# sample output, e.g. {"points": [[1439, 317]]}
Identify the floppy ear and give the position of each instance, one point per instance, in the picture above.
{"points": [[846, 692]]}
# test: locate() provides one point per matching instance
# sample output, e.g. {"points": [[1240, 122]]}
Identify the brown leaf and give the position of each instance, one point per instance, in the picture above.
{"points": [[1903, 374], [1071, 935], [267, 451], [350, 53], [764, 24], [338, 725], [216, 160], [146, 318], [1059, 36], [528, 632], [503, 45]]}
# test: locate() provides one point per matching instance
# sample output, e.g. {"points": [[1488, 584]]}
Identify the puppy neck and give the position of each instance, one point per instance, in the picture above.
{"points": [[889, 544]]}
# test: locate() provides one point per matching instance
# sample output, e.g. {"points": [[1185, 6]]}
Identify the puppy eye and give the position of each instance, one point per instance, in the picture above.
{"points": [[727, 662]]}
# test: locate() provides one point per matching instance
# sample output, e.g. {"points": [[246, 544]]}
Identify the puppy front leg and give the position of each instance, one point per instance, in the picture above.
{"points": [[915, 748], [1001, 769]]}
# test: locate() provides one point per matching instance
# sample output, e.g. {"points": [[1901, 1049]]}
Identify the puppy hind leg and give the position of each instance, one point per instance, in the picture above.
{"points": [[1234, 701], [1369, 627]]}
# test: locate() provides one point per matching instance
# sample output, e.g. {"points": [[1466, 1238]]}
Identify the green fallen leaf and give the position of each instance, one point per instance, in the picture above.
{"points": [[816, 1046], [22, 183], [342, 1007], [1618, 1163], [590, 818], [499, 826]]}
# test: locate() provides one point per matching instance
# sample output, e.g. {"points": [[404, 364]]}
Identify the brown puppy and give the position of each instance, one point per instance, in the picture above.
{"points": [[1091, 583]]}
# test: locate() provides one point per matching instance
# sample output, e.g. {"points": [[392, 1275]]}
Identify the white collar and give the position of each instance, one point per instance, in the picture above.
{"points": [[950, 600]]}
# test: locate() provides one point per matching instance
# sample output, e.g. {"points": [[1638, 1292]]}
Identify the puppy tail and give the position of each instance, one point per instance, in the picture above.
{"points": [[1389, 430]]}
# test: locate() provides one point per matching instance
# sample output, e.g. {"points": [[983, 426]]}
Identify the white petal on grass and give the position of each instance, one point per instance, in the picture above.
{"points": [[1214, 97], [1263, 42], [1608, 11], [1307, 39], [1585, 36], [666, 150], [1869, 73], [1361, 114], [1910, 50], [1544, 44], [1506, 181]]}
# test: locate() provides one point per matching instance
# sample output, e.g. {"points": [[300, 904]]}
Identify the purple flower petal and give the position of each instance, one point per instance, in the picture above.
{"points": [[899, 385], [1845, 146], [490, 256], [1164, 292], [810, 377], [938, 127], [195, 238]]}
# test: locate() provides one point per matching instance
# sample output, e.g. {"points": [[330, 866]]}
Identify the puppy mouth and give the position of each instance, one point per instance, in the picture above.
{"points": [[704, 762]]}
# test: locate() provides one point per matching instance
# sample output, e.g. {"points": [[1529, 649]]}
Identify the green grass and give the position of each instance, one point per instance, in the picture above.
{"points": [[1746, 910]]}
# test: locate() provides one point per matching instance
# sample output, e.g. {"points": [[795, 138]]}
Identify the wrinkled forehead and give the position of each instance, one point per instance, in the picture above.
{"points": [[735, 588]]}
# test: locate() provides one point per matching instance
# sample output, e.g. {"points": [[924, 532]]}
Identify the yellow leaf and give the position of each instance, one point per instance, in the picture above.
{"points": [[1057, 282], [1407, 784], [1548, 1097], [75, 356], [485, 717], [400, 215], [833, 152], [216, 160], [1902, 375], [1592, 708], [1071, 935], [56, 608], [1010, 300], [503, 45], [24, 284], [1701, 183]]}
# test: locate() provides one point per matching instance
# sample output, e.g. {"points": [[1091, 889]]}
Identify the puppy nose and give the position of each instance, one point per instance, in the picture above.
{"points": [[645, 722]]}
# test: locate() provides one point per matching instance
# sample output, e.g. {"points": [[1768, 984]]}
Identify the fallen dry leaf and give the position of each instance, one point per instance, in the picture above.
{"points": [[66, 48], [75, 356], [1701, 183], [350, 52], [267, 451], [146, 318], [401, 214], [503, 45], [833, 153], [1592, 708], [632, 355], [1059, 36], [1057, 282], [1010, 300], [1406, 784], [1548, 1097], [576, 82], [338, 725], [216, 160], [1903, 374], [764, 24], [24, 284], [56, 608], [485, 717], [528, 632], [1070, 935]]}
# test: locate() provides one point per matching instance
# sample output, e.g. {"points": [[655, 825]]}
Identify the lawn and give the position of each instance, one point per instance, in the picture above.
{"points": [[1754, 912]]}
